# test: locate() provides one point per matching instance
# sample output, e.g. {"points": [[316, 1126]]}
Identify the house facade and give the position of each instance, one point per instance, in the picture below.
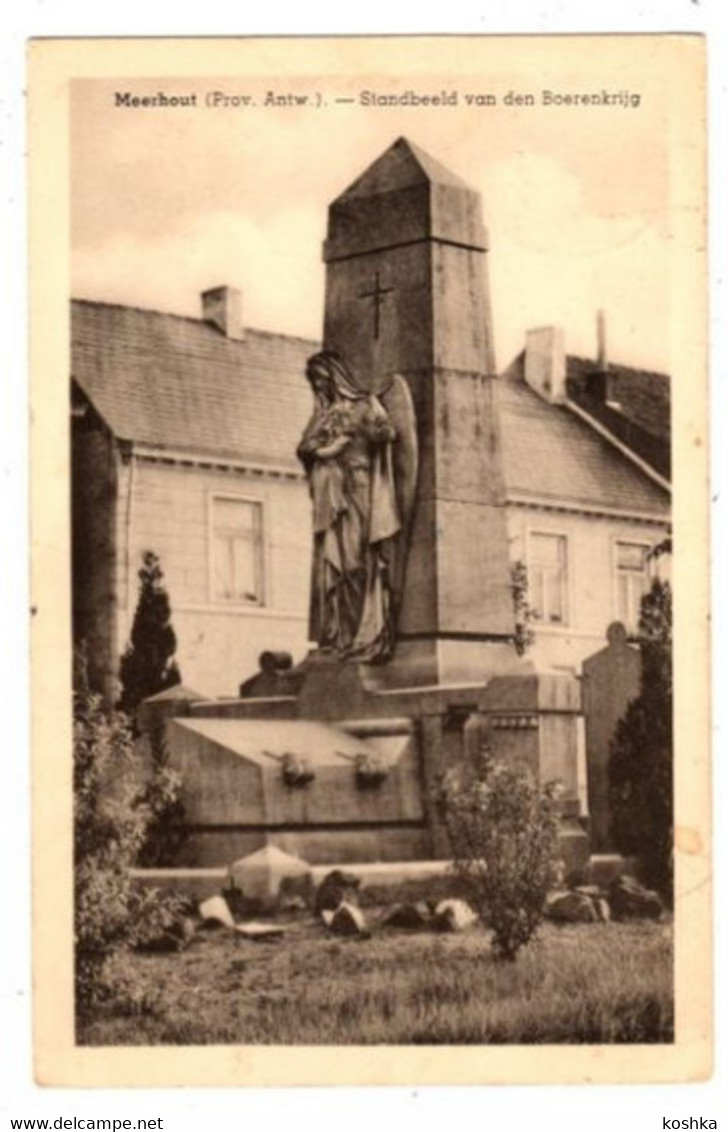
{"points": [[184, 434], [585, 510], [184, 437]]}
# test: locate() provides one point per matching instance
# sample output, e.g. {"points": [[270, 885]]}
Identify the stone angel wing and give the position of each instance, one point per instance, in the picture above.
{"points": [[397, 401]]}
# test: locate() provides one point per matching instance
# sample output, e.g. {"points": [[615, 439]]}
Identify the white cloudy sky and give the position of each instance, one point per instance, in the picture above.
{"points": [[166, 203]]}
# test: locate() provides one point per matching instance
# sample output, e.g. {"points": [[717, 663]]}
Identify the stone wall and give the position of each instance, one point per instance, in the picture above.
{"points": [[611, 679]]}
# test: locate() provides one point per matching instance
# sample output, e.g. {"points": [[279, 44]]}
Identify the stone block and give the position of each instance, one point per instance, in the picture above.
{"points": [[454, 916], [215, 910], [573, 848], [603, 910], [472, 546], [233, 774], [347, 920], [261, 875], [571, 908], [380, 874], [604, 867], [337, 887], [258, 932], [172, 702], [409, 917], [197, 884], [628, 899], [611, 678], [319, 845]]}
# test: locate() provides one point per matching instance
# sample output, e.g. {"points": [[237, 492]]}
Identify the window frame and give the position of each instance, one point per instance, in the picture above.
{"points": [[540, 623], [646, 546], [259, 546]]}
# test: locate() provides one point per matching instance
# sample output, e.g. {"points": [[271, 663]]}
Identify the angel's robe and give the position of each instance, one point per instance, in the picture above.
{"points": [[354, 520]]}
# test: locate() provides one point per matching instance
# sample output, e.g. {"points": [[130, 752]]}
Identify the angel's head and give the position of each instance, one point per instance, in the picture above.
{"points": [[330, 378]]}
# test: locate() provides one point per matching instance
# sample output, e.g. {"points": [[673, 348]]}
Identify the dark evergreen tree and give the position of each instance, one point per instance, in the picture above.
{"points": [[148, 665], [640, 764]]}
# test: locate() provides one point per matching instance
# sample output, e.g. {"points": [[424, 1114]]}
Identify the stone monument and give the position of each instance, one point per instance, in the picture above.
{"points": [[610, 681], [407, 294], [411, 605]]}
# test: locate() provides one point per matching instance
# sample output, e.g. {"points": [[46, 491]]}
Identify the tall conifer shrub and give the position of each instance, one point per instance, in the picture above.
{"points": [[148, 665], [640, 763]]}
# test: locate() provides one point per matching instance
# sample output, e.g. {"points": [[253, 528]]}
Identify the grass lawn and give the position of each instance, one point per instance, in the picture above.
{"points": [[575, 984]]}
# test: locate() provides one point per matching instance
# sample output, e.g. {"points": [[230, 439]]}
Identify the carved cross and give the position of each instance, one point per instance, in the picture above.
{"points": [[377, 295]]}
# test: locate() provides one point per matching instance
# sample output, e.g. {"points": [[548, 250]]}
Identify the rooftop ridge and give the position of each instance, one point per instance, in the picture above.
{"points": [[191, 318], [618, 366], [509, 371]]}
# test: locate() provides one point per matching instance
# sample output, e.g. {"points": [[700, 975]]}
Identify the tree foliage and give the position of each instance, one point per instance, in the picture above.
{"points": [[503, 833], [148, 665], [110, 827], [167, 829], [640, 764]]}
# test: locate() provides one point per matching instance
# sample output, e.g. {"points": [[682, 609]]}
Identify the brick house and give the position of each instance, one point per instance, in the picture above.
{"points": [[183, 442]]}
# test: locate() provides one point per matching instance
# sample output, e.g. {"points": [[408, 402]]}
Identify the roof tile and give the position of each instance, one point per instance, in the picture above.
{"points": [[179, 383], [551, 454]]}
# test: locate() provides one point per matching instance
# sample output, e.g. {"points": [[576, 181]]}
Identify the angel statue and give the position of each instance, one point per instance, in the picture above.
{"points": [[360, 459]]}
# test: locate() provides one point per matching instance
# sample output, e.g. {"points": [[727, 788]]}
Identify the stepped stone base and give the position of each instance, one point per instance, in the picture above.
{"points": [[203, 882]]}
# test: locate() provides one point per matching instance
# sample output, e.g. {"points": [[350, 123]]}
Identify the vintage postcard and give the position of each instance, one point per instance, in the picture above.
{"points": [[370, 565]]}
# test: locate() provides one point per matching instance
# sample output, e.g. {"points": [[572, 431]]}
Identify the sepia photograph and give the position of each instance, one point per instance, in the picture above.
{"points": [[377, 395]]}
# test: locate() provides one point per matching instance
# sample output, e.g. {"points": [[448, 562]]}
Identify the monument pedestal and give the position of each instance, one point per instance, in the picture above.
{"points": [[408, 358], [231, 757]]}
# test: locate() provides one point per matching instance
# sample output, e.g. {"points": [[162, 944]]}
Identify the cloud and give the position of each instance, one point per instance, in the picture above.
{"points": [[162, 215], [556, 259], [276, 264], [541, 205]]}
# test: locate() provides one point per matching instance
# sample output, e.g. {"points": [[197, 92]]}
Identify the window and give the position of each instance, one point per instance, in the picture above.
{"points": [[237, 551], [632, 582], [547, 577]]}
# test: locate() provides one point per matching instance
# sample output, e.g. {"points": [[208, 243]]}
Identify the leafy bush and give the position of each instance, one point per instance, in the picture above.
{"points": [[110, 825], [503, 833], [167, 829], [640, 762], [148, 666]]}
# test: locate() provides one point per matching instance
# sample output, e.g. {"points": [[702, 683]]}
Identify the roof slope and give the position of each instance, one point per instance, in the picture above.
{"points": [[551, 454], [632, 404], [643, 395], [179, 383]]}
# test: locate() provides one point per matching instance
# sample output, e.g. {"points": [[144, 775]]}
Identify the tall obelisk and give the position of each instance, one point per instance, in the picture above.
{"points": [[407, 293]]}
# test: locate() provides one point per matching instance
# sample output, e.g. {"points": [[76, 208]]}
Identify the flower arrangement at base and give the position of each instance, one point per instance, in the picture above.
{"points": [[297, 771]]}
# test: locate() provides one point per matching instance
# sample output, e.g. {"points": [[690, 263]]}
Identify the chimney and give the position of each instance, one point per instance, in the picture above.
{"points": [[545, 367], [600, 382], [223, 306], [602, 363]]}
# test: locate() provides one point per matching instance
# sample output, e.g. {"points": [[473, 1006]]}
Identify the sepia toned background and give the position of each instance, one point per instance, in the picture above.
{"points": [[167, 202], [138, 236]]}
